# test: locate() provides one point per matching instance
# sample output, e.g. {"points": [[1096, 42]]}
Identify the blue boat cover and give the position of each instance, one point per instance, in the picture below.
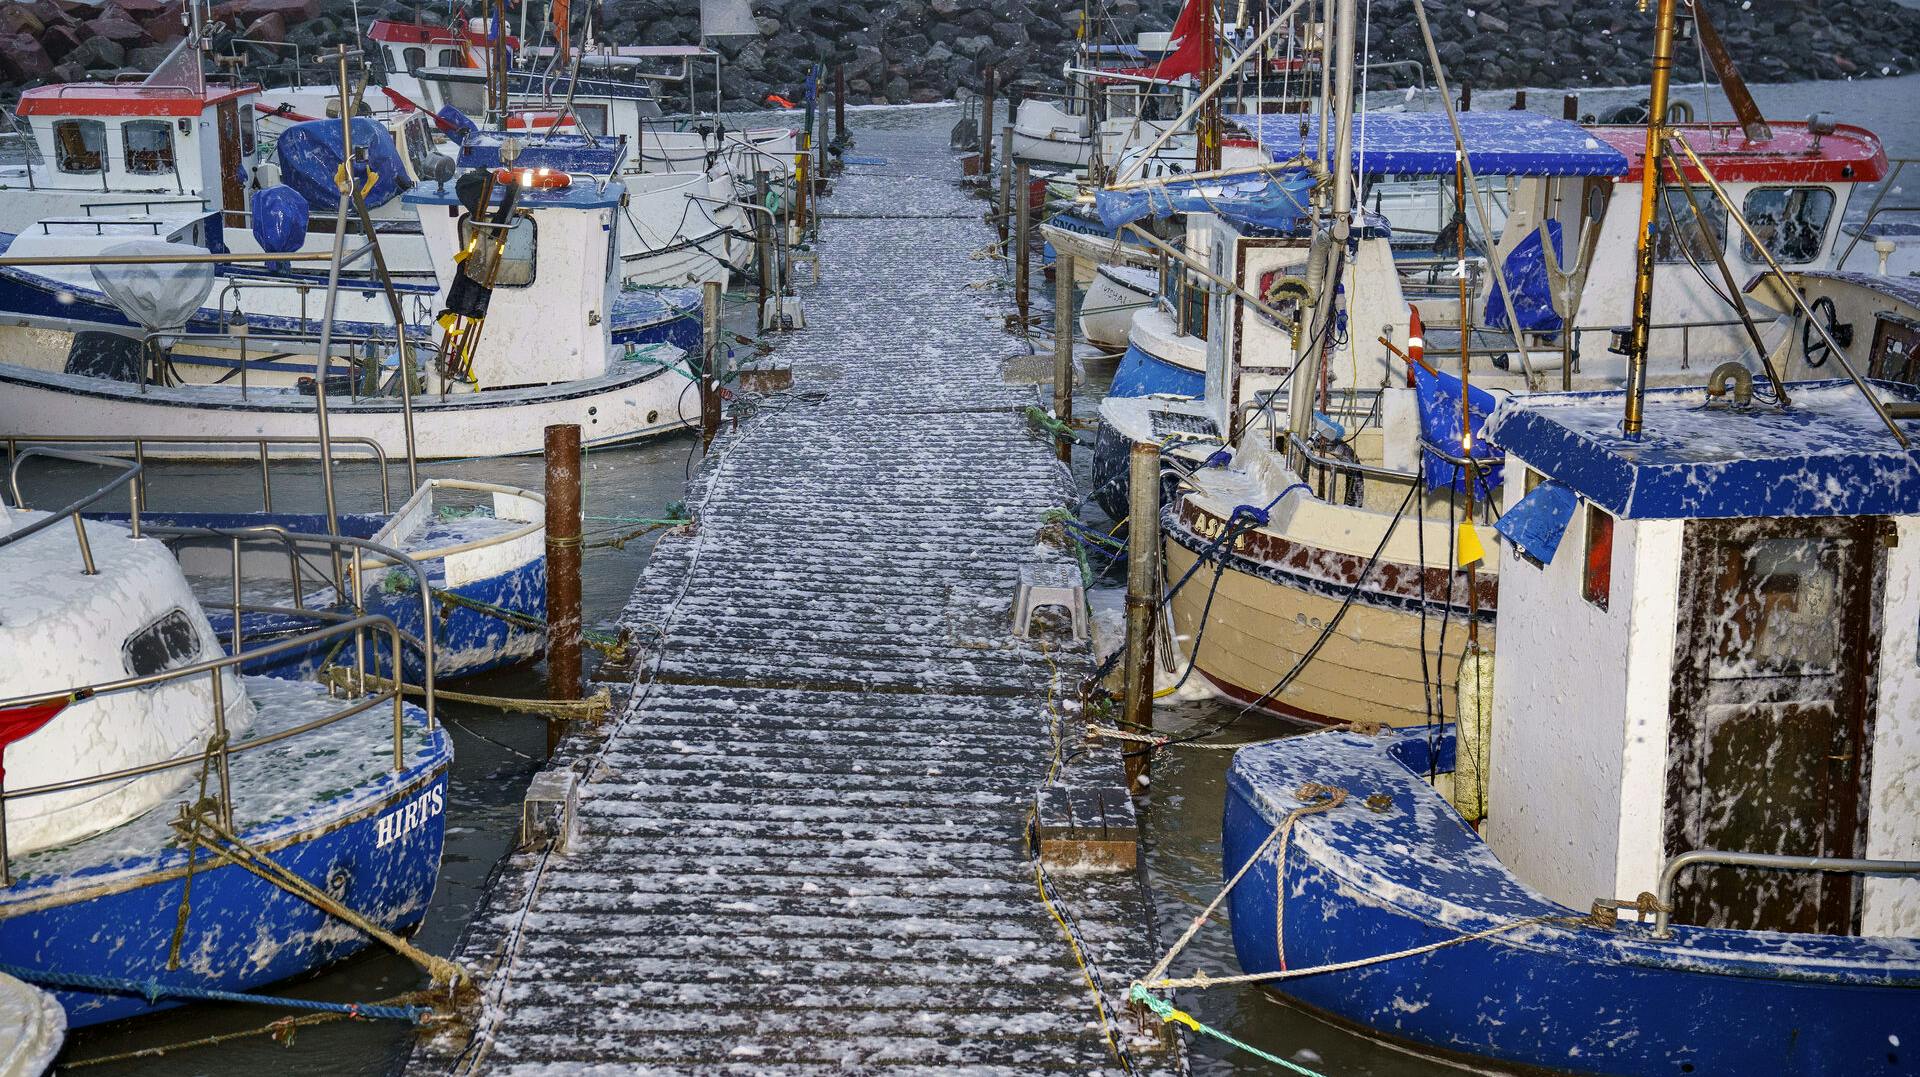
{"points": [[1526, 272], [1439, 396], [1537, 521], [1827, 455], [458, 119], [1502, 143], [562, 153], [279, 221], [1261, 201], [310, 156]]}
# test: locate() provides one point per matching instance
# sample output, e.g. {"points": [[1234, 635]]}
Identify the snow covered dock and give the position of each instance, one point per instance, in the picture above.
{"points": [[801, 849]]}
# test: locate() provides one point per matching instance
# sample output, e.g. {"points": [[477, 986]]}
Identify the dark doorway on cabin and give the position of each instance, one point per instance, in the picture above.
{"points": [[233, 182], [1772, 715]]}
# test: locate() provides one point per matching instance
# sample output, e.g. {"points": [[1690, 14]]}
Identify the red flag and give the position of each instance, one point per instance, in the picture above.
{"points": [[1189, 55], [18, 723]]}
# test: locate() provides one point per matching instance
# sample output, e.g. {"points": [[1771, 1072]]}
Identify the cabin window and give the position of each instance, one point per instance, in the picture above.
{"points": [[1790, 221], [247, 143], [1676, 230], [80, 146], [415, 58], [593, 118], [148, 145], [517, 255], [1596, 583], [168, 643], [419, 147], [449, 58]]}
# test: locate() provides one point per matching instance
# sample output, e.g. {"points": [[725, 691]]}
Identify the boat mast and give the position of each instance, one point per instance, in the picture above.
{"points": [[1310, 345], [1650, 173], [1206, 150]]}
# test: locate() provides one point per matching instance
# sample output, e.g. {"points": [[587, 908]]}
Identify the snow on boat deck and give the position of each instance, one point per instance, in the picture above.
{"points": [[801, 849]]}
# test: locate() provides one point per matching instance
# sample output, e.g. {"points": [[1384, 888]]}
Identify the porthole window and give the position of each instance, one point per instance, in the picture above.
{"points": [[168, 643]]}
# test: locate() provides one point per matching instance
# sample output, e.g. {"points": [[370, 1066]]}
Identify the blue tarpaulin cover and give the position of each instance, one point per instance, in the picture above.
{"points": [[458, 119], [1502, 143], [279, 221], [1526, 273], [1263, 201], [310, 155], [1439, 395], [1537, 521]]}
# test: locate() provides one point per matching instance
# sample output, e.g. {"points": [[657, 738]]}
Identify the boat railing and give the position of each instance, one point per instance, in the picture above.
{"points": [[1891, 183], [145, 205], [129, 472], [218, 753], [139, 444], [349, 584], [349, 352], [1670, 875]]}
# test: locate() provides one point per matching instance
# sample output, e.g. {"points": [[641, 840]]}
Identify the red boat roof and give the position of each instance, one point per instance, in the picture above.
{"points": [[409, 33], [1849, 155], [125, 99]]}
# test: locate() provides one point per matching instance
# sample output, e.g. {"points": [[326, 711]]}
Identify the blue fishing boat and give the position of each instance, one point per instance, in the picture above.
{"points": [[147, 765], [1689, 770]]}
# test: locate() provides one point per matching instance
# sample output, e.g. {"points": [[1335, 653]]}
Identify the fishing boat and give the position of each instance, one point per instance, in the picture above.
{"points": [[532, 341], [1106, 312], [145, 761], [1719, 876]]}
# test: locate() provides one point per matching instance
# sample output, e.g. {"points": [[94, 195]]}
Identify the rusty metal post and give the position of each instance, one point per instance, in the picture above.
{"points": [[563, 567], [986, 122], [1023, 222], [1006, 183], [1143, 585], [1063, 326], [709, 363]]}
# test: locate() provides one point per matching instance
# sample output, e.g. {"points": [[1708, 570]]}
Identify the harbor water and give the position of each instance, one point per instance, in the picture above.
{"points": [[497, 753]]}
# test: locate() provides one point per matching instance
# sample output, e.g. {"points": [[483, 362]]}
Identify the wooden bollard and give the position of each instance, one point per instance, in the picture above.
{"points": [[1143, 578], [709, 363], [840, 103], [1519, 100], [1570, 107], [1023, 221], [562, 455], [1466, 97], [986, 122], [1006, 183], [1063, 270]]}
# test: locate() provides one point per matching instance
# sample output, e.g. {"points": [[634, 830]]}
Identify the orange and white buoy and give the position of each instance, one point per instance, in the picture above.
{"points": [[1416, 343]]}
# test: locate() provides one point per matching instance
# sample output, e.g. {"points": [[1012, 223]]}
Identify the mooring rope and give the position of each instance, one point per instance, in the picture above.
{"points": [[153, 991]]}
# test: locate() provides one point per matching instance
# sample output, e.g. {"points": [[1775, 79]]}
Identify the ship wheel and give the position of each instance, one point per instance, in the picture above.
{"points": [[1812, 344]]}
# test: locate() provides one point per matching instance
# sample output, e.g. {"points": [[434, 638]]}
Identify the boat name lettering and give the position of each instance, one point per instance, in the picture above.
{"points": [[408, 817]]}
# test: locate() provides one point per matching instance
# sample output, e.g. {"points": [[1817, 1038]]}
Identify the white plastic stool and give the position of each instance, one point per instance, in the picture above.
{"points": [[1050, 585]]}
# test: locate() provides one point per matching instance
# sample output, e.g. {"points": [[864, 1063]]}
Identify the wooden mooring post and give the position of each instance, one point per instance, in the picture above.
{"points": [[1000, 220], [986, 122], [562, 457], [1023, 221], [710, 350], [1570, 107], [1143, 585], [1063, 325], [840, 104]]}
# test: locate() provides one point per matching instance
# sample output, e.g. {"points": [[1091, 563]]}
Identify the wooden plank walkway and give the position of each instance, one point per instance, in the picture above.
{"points": [[802, 847]]}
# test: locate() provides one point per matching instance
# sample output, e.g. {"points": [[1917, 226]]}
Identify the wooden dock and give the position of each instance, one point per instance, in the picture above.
{"points": [[803, 846]]}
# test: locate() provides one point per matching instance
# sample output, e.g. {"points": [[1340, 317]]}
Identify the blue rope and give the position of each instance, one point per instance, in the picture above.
{"points": [[153, 991]]}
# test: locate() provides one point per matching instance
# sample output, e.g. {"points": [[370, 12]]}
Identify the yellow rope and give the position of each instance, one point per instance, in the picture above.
{"points": [[591, 709]]}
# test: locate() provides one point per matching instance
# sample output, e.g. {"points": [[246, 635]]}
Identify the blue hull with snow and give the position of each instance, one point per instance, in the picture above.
{"points": [[1557, 993], [375, 845], [1141, 373], [469, 636]]}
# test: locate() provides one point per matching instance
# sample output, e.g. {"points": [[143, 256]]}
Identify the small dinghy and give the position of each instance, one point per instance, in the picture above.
{"points": [[145, 765]]}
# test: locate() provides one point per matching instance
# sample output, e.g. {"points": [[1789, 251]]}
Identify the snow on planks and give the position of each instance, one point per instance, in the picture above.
{"points": [[801, 849]]}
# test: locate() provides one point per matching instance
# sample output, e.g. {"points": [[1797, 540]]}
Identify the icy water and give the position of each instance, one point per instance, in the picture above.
{"points": [[497, 753]]}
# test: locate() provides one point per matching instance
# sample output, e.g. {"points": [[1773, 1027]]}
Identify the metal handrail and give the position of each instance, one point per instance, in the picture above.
{"points": [[1669, 875], [139, 442], [1899, 165], [129, 472], [225, 752]]}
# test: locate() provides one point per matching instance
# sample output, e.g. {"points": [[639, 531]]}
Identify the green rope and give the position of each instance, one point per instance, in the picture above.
{"points": [[1166, 1012]]}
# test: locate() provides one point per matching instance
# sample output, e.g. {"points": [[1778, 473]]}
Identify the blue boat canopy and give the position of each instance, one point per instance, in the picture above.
{"points": [[1262, 201], [1502, 143], [1828, 455], [561, 153]]}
